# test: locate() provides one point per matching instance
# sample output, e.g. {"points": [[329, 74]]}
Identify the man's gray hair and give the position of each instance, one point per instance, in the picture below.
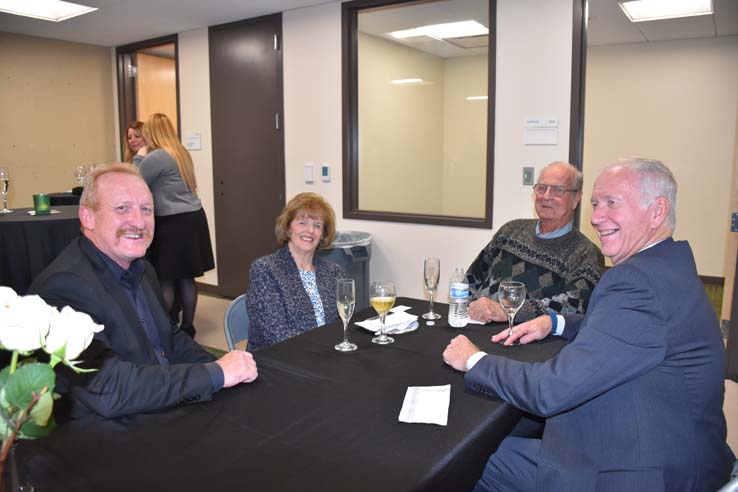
{"points": [[656, 180], [578, 177]]}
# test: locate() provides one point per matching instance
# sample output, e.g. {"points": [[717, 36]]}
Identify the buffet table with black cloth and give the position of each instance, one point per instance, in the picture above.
{"points": [[315, 419], [28, 243]]}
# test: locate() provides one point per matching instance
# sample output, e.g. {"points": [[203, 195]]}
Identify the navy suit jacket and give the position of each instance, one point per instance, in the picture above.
{"points": [[634, 401], [129, 379]]}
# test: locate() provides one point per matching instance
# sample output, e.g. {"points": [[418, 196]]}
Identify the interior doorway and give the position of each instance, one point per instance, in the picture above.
{"points": [[148, 82]]}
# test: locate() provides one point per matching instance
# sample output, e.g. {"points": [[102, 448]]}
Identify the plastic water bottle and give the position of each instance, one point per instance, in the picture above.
{"points": [[458, 299]]}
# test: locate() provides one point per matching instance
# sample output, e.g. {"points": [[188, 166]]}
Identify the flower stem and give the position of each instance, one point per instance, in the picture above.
{"points": [[14, 361]]}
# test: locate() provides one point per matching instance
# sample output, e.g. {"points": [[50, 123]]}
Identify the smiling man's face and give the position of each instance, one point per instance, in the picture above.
{"points": [[623, 224], [122, 224]]}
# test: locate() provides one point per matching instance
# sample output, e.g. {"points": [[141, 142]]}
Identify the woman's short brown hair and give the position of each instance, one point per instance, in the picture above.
{"points": [[315, 206]]}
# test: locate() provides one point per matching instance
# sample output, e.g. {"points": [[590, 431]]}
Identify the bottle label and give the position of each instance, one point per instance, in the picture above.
{"points": [[459, 291]]}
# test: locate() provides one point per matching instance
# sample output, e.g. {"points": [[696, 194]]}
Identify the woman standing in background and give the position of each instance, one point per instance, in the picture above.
{"points": [[181, 248], [134, 140]]}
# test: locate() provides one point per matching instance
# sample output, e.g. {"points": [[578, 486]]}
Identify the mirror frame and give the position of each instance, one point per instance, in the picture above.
{"points": [[351, 210]]}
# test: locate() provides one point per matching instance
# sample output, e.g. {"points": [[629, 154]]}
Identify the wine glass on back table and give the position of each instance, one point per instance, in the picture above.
{"points": [[80, 172], [4, 185], [382, 297], [345, 302], [431, 272], [511, 296]]}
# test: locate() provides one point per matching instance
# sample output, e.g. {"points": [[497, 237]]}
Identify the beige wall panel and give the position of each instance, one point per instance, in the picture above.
{"points": [[676, 102], [156, 87], [464, 136], [400, 128], [56, 107]]}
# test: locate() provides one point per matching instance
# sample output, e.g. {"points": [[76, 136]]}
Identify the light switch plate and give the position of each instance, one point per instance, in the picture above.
{"points": [[528, 176], [308, 173]]}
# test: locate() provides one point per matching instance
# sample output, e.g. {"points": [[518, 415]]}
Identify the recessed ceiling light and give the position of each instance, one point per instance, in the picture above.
{"points": [[476, 98], [449, 30], [407, 81], [49, 10], [649, 10]]}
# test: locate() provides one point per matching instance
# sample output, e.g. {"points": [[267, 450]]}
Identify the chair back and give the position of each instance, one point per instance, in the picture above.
{"points": [[236, 322]]}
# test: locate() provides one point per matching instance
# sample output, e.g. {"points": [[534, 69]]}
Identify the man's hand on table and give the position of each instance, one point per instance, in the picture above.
{"points": [[486, 310], [535, 329], [238, 367], [458, 352]]}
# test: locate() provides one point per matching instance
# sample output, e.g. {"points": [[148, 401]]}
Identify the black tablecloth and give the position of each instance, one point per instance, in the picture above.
{"points": [[29, 243], [64, 198], [315, 419]]}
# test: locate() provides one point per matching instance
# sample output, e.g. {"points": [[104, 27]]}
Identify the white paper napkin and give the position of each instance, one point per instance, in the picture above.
{"points": [[426, 405], [52, 212], [398, 322]]}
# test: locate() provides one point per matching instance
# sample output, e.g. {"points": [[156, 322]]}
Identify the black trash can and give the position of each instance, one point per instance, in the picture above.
{"points": [[353, 251]]}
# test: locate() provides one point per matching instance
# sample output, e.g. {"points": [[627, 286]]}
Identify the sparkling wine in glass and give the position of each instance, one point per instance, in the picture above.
{"points": [[382, 297], [431, 272], [4, 185], [345, 302], [80, 172], [511, 296]]}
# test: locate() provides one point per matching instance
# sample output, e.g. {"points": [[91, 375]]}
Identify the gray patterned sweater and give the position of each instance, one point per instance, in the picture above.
{"points": [[558, 273], [277, 303]]}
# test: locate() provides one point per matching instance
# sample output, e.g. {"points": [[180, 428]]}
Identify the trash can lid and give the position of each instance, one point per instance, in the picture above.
{"points": [[346, 239]]}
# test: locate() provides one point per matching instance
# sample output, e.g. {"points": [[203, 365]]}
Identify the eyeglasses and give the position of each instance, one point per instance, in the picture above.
{"points": [[556, 191]]}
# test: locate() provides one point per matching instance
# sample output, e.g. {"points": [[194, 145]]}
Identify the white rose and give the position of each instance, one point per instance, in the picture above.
{"points": [[24, 323], [73, 328], [7, 297]]}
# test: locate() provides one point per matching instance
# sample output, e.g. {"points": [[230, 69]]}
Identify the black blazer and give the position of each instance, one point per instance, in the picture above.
{"points": [[129, 379]]}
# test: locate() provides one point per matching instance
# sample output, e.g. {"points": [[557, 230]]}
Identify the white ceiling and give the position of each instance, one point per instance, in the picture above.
{"points": [[119, 22]]}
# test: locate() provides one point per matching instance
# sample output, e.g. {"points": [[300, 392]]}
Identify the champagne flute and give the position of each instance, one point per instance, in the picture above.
{"points": [[431, 272], [80, 172], [382, 298], [511, 296], [345, 302], [4, 185]]}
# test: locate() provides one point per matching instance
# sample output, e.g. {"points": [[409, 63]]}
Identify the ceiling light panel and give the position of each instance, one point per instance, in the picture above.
{"points": [[49, 10], [448, 30], [650, 10]]}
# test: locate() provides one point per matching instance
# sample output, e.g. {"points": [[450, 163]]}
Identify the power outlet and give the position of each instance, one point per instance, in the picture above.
{"points": [[528, 176]]}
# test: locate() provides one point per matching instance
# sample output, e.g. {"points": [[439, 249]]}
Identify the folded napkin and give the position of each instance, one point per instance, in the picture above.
{"points": [[396, 323], [426, 405], [52, 212]]}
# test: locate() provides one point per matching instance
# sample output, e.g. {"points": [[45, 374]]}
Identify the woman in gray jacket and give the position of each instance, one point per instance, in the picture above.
{"points": [[181, 249]]}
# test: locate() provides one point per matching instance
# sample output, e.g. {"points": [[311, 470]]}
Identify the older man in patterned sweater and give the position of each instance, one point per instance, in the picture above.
{"points": [[558, 264]]}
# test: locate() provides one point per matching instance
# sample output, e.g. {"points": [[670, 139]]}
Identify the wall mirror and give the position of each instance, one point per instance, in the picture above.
{"points": [[418, 102]]}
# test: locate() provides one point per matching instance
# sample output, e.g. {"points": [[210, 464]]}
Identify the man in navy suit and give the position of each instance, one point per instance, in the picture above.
{"points": [[634, 401], [142, 362]]}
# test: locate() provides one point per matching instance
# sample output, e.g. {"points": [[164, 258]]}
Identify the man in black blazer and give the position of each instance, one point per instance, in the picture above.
{"points": [[143, 363], [634, 401]]}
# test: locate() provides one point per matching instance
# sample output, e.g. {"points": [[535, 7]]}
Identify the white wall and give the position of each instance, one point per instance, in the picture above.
{"points": [[673, 101], [194, 107], [312, 96]]}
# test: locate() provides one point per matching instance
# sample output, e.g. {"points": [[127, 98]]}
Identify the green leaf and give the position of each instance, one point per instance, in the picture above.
{"points": [[4, 374], [27, 380], [41, 411], [31, 430]]}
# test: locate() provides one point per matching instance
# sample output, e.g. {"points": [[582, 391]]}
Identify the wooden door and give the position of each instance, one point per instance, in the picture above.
{"points": [[248, 143]]}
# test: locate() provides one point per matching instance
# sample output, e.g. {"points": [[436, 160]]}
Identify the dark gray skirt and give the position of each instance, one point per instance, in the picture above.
{"points": [[181, 247]]}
